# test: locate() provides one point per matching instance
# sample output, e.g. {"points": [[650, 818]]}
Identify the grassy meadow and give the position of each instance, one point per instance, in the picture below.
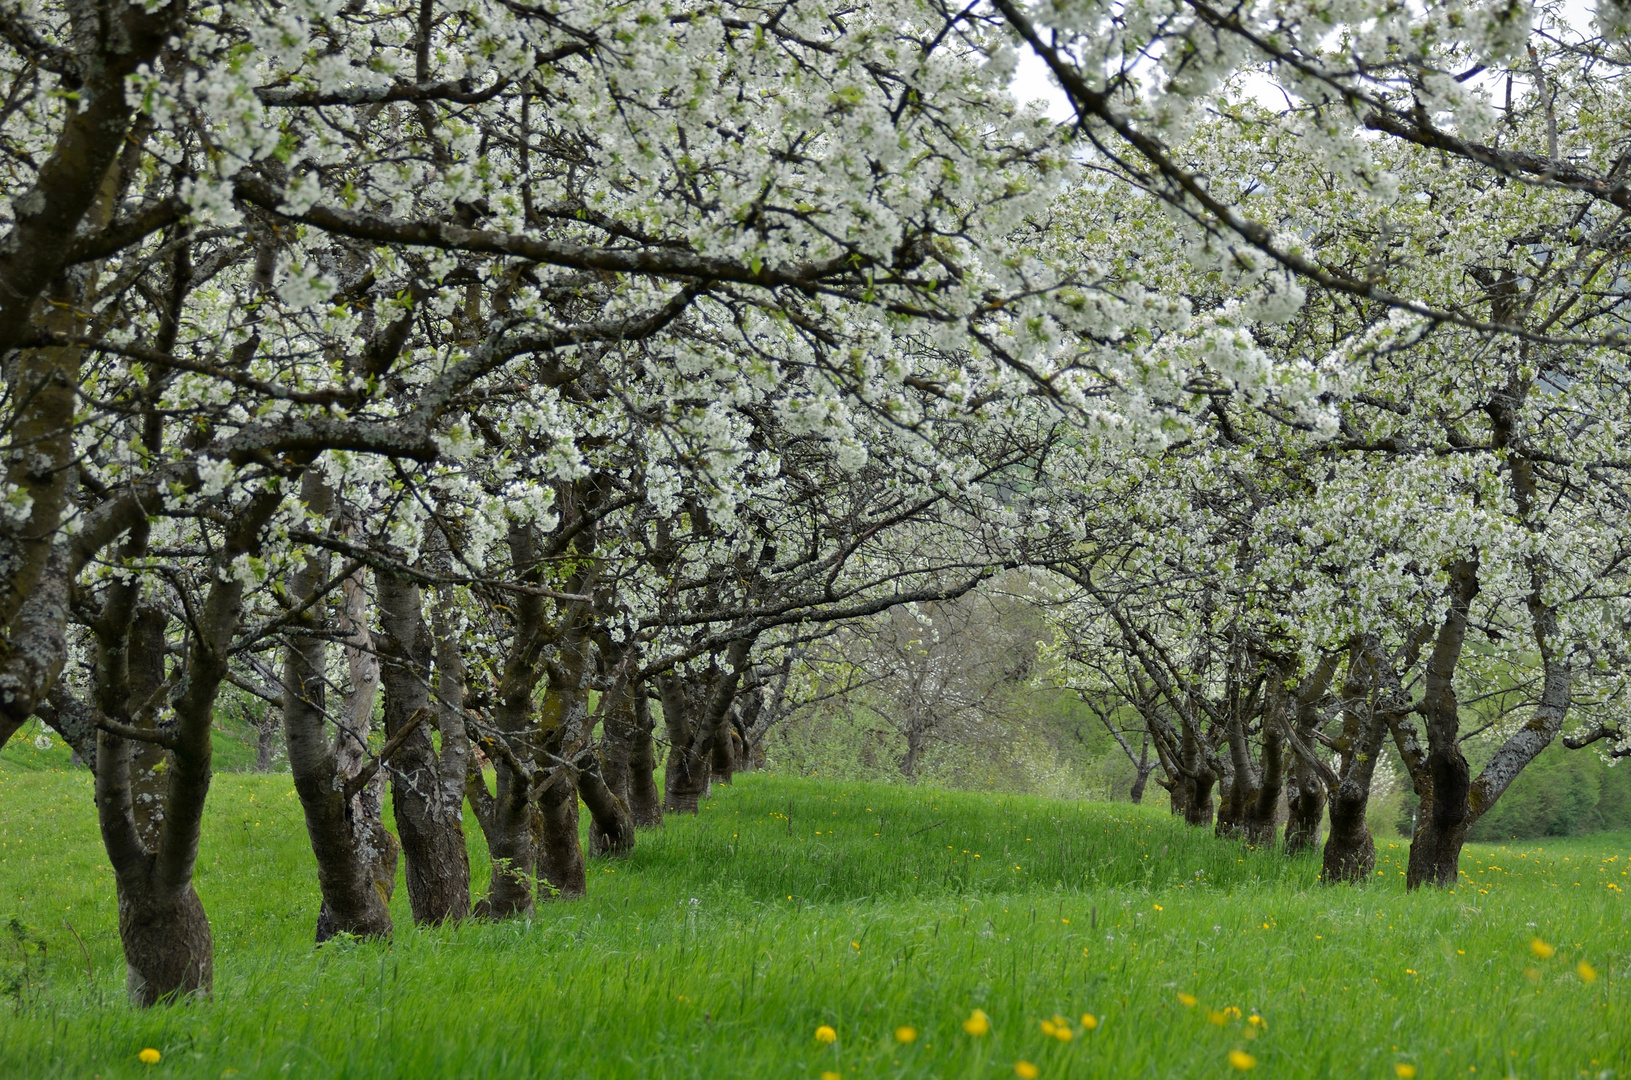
{"points": [[726, 941]]}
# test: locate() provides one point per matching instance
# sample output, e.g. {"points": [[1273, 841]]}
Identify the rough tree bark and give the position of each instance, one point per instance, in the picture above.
{"points": [[1442, 777], [695, 717], [508, 816], [427, 788], [1306, 790], [356, 864], [605, 782], [162, 926], [645, 802]]}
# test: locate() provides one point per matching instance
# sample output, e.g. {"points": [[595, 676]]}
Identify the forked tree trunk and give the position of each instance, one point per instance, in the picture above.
{"points": [[605, 783], [1198, 810], [1178, 789], [686, 780], [1305, 808], [611, 825], [356, 865], [1442, 778], [1442, 823], [560, 856], [429, 810], [166, 937], [1233, 792], [1260, 826]]}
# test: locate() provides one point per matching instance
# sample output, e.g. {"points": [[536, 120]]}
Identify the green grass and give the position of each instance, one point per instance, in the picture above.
{"points": [[724, 941]]}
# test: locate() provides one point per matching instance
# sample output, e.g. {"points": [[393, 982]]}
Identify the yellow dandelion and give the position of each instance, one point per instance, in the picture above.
{"points": [[831, 1076], [1541, 949], [1586, 972], [1025, 1070], [1217, 1018], [1048, 1028], [1256, 1021], [1187, 1000], [905, 1034], [1089, 1021], [1061, 1029], [1241, 1061], [1231, 1012], [977, 1023], [826, 1033], [148, 1056], [1404, 1070]]}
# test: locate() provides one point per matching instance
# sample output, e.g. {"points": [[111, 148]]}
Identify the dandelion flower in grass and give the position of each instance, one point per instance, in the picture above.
{"points": [[831, 1076], [1241, 1061], [1089, 1021], [826, 1033], [149, 1056], [1256, 1021], [977, 1023], [905, 1034], [1217, 1018], [1586, 972], [1542, 949], [1404, 1070], [1025, 1070], [1187, 1000], [1232, 1012], [1048, 1028]]}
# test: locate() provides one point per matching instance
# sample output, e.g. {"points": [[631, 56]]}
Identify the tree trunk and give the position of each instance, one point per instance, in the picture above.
{"points": [[1305, 808], [1178, 790], [356, 865], [1233, 795], [617, 742], [429, 812], [724, 751], [266, 741], [1198, 799], [1350, 851], [1140, 781], [1442, 823], [149, 763], [611, 825], [645, 804], [74, 719], [1443, 781], [605, 783], [162, 925], [169, 951], [685, 782], [512, 843], [916, 742], [1260, 826], [560, 856]]}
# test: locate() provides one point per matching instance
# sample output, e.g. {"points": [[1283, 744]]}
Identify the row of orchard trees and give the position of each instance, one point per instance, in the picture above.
{"points": [[522, 367], [1273, 604]]}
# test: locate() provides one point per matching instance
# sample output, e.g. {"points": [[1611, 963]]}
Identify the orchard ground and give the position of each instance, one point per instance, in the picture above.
{"points": [[722, 945]]}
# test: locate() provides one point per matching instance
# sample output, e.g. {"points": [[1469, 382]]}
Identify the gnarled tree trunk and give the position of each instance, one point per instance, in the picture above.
{"points": [[356, 862], [427, 789]]}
